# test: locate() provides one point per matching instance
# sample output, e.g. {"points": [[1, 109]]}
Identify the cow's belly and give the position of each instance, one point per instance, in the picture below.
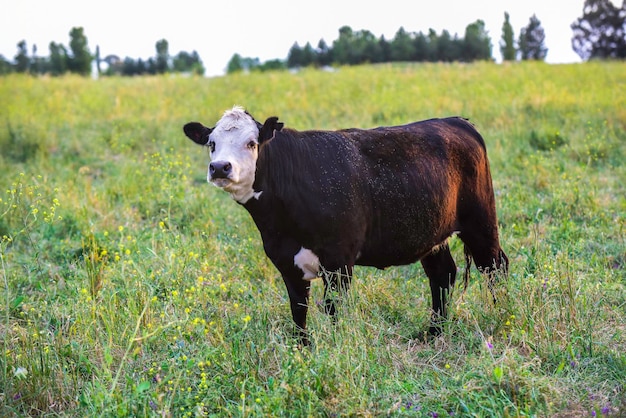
{"points": [[394, 246], [391, 256]]}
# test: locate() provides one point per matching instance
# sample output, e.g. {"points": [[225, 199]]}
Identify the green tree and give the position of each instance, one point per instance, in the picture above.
{"points": [[324, 53], [162, 63], [148, 67], [238, 63], [421, 48], [58, 58], [433, 45], [366, 47], [342, 46], [507, 44], [448, 48], [197, 67], [385, 49], [235, 64], [295, 57], [22, 61], [80, 60], [402, 48], [531, 41], [601, 31], [185, 62], [477, 44], [129, 67], [5, 66], [272, 65], [308, 55]]}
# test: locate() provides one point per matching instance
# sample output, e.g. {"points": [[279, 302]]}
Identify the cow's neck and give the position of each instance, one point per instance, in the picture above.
{"points": [[267, 213]]}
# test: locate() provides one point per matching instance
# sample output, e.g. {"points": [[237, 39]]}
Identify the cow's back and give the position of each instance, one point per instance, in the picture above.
{"points": [[417, 178]]}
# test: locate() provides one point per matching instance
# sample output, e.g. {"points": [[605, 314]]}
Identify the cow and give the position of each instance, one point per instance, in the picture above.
{"points": [[325, 201]]}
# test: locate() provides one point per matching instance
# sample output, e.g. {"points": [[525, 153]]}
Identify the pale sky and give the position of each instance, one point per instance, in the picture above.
{"points": [[265, 28]]}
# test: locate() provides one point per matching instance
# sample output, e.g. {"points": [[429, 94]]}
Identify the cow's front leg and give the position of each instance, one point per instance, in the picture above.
{"points": [[336, 285], [298, 291]]}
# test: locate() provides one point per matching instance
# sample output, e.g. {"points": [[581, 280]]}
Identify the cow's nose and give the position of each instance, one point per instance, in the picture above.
{"points": [[220, 169]]}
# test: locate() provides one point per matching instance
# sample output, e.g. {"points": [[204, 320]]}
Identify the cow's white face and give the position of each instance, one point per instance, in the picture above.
{"points": [[234, 149]]}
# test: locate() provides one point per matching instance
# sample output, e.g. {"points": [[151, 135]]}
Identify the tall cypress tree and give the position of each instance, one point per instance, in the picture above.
{"points": [[162, 63], [507, 44], [80, 60], [22, 61]]}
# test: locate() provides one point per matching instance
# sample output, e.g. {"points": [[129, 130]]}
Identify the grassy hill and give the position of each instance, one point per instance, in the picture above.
{"points": [[131, 287]]}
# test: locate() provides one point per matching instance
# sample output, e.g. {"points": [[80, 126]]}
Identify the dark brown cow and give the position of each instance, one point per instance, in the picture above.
{"points": [[325, 201]]}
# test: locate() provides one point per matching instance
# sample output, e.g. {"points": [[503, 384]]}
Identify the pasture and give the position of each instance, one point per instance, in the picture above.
{"points": [[131, 287]]}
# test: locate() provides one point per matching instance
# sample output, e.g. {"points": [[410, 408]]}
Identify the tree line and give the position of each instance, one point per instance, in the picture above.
{"points": [[358, 47], [362, 46], [183, 62], [599, 34], [79, 60]]}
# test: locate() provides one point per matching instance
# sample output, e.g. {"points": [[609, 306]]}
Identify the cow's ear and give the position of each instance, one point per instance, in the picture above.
{"points": [[266, 132], [197, 132]]}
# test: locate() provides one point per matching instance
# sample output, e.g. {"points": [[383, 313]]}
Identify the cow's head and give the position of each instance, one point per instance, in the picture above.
{"points": [[234, 147]]}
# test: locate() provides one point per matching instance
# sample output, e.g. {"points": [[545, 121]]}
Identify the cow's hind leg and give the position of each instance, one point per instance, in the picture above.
{"points": [[441, 271], [336, 285]]}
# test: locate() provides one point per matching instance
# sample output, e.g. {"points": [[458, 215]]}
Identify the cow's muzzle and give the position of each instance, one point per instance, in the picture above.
{"points": [[220, 169]]}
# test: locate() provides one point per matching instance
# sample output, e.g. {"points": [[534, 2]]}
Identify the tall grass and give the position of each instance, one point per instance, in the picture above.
{"points": [[133, 288]]}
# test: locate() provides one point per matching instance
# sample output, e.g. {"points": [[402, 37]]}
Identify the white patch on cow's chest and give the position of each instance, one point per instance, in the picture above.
{"points": [[308, 262], [247, 196]]}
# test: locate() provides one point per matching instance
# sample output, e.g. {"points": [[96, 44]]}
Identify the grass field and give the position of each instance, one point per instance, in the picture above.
{"points": [[131, 287]]}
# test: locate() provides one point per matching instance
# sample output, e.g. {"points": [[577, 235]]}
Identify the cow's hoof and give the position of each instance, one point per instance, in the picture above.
{"points": [[429, 334], [303, 338], [434, 331]]}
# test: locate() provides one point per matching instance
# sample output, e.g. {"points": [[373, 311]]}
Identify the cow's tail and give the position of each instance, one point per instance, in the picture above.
{"points": [[468, 265]]}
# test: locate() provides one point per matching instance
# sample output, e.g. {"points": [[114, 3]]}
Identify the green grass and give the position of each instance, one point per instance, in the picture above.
{"points": [[133, 288]]}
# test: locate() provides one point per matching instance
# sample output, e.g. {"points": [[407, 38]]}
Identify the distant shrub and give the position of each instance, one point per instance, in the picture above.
{"points": [[18, 146], [546, 142]]}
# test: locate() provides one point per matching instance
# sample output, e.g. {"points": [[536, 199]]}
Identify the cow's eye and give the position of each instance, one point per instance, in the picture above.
{"points": [[211, 146], [251, 145]]}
